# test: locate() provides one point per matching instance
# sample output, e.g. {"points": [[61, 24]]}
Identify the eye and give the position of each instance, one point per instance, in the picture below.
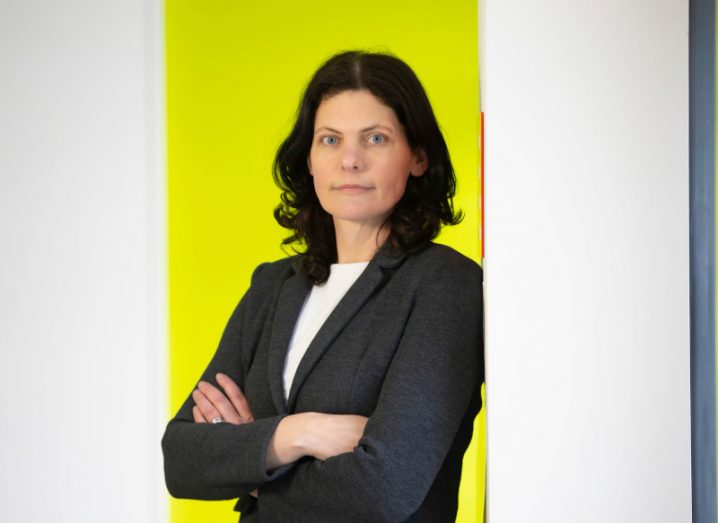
{"points": [[377, 139], [329, 140]]}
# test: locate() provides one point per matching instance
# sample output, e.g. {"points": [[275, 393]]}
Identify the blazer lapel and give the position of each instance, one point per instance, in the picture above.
{"points": [[289, 303], [345, 310]]}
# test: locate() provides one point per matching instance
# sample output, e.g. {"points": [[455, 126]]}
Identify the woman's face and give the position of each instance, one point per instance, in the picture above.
{"points": [[360, 158]]}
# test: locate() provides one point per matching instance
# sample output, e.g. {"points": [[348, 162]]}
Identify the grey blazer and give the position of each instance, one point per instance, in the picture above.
{"points": [[403, 347]]}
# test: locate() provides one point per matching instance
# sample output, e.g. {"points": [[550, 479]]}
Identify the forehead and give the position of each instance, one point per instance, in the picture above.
{"points": [[354, 108]]}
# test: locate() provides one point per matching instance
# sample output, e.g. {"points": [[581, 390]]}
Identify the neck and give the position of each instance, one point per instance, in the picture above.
{"points": [[357, 242]]}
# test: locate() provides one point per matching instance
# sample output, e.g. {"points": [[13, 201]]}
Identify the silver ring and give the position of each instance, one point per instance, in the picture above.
{"points": [[217, 420]]}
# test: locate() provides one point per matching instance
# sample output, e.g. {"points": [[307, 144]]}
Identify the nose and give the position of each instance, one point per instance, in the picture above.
{"points": [[352, 158]]}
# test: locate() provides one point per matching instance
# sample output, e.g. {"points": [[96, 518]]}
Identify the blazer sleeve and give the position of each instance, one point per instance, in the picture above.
{"points": [[436, 373], [222, 461]]}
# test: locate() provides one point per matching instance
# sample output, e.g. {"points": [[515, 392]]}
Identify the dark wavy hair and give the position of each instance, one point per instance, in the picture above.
{"points": [[427, 202]]}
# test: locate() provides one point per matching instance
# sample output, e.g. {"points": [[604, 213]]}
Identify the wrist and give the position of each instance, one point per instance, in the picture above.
{"points": [[290, 441], [303, 437]]}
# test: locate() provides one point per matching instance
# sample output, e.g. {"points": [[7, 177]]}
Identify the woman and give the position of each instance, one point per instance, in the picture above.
{"points": [[346, 382]]}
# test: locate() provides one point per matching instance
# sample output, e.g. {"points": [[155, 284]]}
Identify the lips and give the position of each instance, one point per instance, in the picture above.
{"points": [[352, 188]]}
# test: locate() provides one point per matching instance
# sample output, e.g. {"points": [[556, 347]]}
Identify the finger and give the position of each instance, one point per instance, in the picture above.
{"points": [[207, 409], [236, 396], [197, 415], [220, 402]]}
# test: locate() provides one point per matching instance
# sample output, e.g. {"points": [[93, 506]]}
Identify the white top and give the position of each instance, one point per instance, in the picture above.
{"points": [[316, 309]]}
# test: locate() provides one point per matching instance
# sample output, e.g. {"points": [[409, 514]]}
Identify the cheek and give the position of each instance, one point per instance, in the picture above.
{"points": [[317, 184], [311, 161], [321, 188], [318, 163], [401, 177], [401, 180], [395, 192]]}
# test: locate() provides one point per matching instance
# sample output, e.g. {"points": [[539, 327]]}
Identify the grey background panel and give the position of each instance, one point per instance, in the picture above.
{"points": [[702, 258]]}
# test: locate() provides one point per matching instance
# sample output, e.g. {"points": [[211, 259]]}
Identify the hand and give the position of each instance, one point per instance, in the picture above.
{"points": [[211, 403], [333, 434], [315, 434]]}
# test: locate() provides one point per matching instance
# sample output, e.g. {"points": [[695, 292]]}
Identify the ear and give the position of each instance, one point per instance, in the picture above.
{"points": [[309, 166], [419, 164]]}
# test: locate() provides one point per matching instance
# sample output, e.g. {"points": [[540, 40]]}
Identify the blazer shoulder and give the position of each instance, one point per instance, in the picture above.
{"points": [[267, 274], [439, 257]]}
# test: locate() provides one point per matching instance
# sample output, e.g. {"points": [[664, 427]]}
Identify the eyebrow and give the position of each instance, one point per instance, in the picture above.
{"points": [[370, 128]]}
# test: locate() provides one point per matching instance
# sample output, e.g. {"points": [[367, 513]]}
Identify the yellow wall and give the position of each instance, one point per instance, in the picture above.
{"points": [[235, 71]]}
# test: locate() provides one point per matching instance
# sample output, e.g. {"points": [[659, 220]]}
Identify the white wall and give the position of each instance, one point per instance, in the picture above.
{"points": [[81, 261], [587, 311]]}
